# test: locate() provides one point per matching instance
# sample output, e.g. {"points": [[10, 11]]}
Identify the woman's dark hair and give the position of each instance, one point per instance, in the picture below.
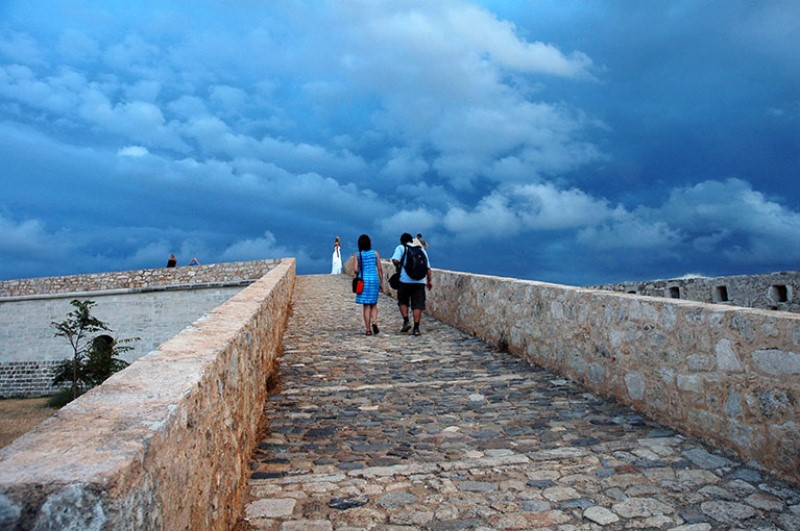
{"points": [[364, 243], [406, 238]]}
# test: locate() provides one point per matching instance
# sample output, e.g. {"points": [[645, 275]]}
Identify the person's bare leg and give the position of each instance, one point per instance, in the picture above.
{"points": [[366, 318], [373, 318]]}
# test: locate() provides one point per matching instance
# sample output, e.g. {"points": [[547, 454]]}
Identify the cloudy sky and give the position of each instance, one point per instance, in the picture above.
{"points": [[567, 141]]}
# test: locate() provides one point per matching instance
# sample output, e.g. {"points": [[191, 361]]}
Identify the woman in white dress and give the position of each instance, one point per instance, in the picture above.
{"points": [[336, 260]]}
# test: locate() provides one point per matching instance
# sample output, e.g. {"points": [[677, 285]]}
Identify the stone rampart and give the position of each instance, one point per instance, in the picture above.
{"points": [[164, 444], [770, 291], [136, 279], [727, 375], [150, 305]]}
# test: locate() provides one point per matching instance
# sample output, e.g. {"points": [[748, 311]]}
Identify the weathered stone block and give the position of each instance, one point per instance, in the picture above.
{"points": [[635, 385], [690, 382], [596, 373], [727, 360], [699, 362], [741, 434], [777, 362], [733, 406]]}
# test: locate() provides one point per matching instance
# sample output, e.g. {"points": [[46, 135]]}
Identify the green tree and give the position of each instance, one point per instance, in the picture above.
{"points": [[101, 359], [93, 358]]}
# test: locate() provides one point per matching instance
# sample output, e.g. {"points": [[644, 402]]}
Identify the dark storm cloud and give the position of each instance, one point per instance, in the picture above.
{"points": [[566, 141]]}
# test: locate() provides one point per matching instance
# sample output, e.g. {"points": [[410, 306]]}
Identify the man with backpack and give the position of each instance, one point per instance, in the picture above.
{"points": [[412, 262]]}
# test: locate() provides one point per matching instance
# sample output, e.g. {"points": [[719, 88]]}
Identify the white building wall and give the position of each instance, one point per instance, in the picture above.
{"points": [[29, 350]]}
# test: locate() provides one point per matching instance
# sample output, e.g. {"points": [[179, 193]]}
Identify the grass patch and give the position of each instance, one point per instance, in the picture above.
{"points": [[20, 415]]}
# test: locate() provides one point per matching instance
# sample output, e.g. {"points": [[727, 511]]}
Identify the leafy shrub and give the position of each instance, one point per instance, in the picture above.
{"points": [[93, 359], [61, 398]]}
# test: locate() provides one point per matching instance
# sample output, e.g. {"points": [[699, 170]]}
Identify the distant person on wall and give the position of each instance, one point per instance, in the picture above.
{"points": [[172, 262], [194, 262], [415, 275], [367, 264], [421, 241], [336, 260]]}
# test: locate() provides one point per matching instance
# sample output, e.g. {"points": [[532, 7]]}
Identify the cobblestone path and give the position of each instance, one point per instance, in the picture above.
{"points": [[442, 432]]}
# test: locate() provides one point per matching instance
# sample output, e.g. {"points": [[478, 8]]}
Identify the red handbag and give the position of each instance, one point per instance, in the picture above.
{"points": [[358, 282]]}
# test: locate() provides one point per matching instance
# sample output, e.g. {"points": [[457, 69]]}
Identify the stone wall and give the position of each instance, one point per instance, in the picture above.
{"points": [[164, 444], [771, 291], [727, 375], [152, 305], [152, 315], [27, 378], [142, 278]]}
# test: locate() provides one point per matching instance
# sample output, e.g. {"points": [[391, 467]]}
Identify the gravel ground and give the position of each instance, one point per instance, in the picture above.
{"points": [[17, 416]]}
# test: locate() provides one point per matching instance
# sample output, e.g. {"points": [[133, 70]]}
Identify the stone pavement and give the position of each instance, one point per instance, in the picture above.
{"points": [[443, 432]]}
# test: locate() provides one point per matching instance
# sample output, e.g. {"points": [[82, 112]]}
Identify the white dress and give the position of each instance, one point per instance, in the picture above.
{"points": [[336, 262]]}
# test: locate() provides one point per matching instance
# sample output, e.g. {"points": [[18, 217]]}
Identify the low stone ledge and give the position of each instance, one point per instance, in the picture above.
{"points": [[130, 291], [140, 278], [165, 443], [727, 375]]}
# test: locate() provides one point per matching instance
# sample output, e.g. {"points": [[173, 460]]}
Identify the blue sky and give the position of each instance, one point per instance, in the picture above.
{"points": [[567, 141]]}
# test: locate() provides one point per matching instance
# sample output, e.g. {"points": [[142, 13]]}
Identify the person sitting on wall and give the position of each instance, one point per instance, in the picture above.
{"points": [[194, 262], [172, 262]]}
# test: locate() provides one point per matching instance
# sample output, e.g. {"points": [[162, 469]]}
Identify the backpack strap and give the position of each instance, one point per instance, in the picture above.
{"points": [[399, 267]]}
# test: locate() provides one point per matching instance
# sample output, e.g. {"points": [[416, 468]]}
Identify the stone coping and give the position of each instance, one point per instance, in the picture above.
{"points": [[129, 291], [165, 443], [140, 278]]}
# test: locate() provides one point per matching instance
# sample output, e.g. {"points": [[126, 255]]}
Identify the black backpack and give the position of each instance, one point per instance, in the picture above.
{"points": [[416, 263]]}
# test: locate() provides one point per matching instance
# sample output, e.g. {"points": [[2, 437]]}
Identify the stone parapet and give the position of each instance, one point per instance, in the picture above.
{"points": [[137, 279], [727, 375], [165, 443]]}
